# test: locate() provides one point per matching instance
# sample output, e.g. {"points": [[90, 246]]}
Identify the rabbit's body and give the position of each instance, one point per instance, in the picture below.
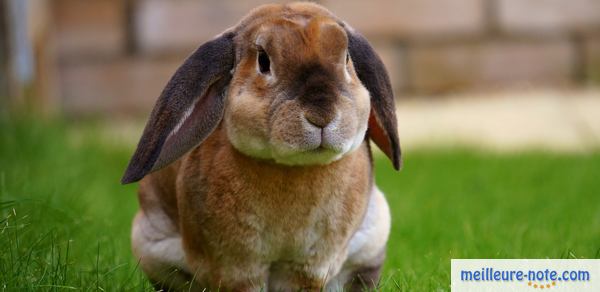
{"points": [[256, 166], [283, 226]]}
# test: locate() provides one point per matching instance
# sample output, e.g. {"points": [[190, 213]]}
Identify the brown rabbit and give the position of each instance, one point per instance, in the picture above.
{"points": [[257, 172]]}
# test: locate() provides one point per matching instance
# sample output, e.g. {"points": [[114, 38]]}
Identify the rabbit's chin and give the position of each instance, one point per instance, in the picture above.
{"points": [[312, 157], [290, 155], [314, 149]]}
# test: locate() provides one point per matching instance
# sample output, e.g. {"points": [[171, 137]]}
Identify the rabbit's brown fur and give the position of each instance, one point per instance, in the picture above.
{"points": [[275, 190]]}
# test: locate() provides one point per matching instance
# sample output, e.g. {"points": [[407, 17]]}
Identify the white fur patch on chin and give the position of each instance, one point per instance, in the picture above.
{"points": [[319, 157], [257, 148], [249, 145], [286, 154]]}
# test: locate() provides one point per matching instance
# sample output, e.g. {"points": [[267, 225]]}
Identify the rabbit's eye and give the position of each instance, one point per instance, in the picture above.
{"points": [[347, 57], [264, 64]]}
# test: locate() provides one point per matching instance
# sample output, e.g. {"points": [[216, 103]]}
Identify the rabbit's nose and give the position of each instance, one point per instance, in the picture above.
{"points": [[320, 120]]}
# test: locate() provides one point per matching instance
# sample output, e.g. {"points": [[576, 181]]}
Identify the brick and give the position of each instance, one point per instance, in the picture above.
{"points": [[552, 16], [183, 25], [164, 26], [117, 86], [592, 59], [89, 28], [412, 18], [490, 64]]}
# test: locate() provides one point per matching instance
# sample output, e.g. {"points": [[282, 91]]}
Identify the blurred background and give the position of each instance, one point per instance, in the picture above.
{"points": [[498, 104], [501, 72]]}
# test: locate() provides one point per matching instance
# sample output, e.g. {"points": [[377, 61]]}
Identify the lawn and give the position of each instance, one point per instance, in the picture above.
{"points": [[65, 219]]}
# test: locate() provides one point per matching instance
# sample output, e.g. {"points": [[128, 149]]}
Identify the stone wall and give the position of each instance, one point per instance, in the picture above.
{"points": [[115, 56]]}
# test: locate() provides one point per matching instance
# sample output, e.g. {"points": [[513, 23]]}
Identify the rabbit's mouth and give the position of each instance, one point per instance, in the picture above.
{"points": [[309, 146], [318, 145], [327, 142], [291, 133]]}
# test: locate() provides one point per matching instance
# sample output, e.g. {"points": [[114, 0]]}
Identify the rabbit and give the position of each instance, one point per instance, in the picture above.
{"points": [[255, 166]]}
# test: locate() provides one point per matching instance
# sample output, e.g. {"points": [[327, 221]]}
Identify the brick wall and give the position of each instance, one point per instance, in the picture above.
{"points": [[117, 55]]}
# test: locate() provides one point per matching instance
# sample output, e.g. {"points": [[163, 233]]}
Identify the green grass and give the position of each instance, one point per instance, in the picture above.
{"points": [[65, 219], [472, 204]]}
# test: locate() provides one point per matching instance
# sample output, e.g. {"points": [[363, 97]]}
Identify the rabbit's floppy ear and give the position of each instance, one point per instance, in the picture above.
{"points": [[371, 72], [188, 109]]}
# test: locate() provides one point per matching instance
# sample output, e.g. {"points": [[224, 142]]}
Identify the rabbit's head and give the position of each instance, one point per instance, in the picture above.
{"points": [[290, 83]]}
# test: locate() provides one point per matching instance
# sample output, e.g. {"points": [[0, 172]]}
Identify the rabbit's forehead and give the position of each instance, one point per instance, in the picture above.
{"points": [[298, 12], [316, 36], [296, 26]]}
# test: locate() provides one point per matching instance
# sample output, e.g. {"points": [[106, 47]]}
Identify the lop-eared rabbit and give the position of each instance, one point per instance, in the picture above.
{"points": [[255, 165]]}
